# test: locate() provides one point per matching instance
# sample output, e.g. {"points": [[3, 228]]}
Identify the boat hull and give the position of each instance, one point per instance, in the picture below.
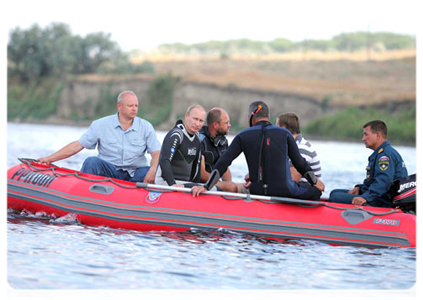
{"points": [[100, 201]]}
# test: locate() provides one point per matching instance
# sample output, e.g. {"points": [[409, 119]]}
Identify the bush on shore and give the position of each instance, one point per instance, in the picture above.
{"points": [[39, 100], [348, 124]]}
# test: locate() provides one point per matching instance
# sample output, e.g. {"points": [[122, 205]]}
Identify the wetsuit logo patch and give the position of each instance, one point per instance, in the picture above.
{"points": [[383, 163], [192, 151], [153, 197]]}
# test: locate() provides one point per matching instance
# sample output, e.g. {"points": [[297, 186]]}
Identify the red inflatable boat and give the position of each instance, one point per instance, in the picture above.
{"points": [[101, 201]]}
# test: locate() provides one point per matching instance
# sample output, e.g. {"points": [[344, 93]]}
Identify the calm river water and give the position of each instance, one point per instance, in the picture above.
{"points": [[48, 253]]}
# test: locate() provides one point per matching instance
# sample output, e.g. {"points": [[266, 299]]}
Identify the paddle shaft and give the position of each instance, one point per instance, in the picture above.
{"points": [[228, 194]]}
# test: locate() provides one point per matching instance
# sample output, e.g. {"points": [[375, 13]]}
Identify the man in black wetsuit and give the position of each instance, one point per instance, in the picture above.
{"points": [[213, 144], [180, 156], [267, 149]]}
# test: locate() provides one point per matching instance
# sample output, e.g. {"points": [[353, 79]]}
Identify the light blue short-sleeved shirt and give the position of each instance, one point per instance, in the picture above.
{"points": [[123, 149]]}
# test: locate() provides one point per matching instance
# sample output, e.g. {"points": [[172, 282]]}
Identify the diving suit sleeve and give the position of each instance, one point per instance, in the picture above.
{"points": [[213, 179], [233, 151], [311, 177], [169, 147]]}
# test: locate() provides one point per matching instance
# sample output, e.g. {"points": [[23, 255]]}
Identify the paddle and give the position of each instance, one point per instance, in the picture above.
{"points": [[229, 194]]}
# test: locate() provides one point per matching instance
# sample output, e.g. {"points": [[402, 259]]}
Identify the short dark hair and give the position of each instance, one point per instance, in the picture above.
{"points": [[263, 112], [377, 125], [214, 115], [290, 121]]}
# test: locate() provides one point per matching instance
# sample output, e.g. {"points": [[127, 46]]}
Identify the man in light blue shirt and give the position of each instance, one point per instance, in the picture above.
{"points": [[122, 141]]}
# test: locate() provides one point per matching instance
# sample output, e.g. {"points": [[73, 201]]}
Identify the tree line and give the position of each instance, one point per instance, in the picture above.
{"points": [[345, 42], [40, 59], [54, 51]]}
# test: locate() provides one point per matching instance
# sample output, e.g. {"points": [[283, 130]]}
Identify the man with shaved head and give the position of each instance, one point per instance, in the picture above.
{"points": [[214, 144], [122, 141]]}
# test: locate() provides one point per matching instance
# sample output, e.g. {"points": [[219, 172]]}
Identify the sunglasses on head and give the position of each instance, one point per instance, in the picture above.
{"points": [[258, 108]]}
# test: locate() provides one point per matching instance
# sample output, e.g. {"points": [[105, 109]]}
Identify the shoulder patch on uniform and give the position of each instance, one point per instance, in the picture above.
{"points": [[383, 163], [380, 150]]}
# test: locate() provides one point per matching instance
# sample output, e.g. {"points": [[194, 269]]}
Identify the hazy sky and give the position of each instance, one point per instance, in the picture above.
{"points": [[147, 24]]}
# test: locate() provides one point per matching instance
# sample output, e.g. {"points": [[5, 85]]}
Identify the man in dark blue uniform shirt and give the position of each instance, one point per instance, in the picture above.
{"points": [[267, 149], [385, 166]]}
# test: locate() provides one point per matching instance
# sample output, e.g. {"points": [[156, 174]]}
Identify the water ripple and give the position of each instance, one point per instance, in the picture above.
{"points": [[45, 252]]}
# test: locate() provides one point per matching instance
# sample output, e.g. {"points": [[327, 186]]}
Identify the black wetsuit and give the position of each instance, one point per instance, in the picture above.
{"points": [[212, 148], [180, 156], [267, 149]]}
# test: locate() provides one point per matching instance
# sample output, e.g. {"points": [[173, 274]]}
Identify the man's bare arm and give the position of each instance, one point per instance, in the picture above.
{"points": [[65, 152], [151, 174]]}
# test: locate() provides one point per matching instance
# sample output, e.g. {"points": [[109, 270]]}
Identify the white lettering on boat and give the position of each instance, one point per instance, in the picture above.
{"points": [[386, 222], [407, 185]]}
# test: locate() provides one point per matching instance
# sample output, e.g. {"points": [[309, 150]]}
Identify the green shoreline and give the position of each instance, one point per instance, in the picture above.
{"points": [[38, 104]]}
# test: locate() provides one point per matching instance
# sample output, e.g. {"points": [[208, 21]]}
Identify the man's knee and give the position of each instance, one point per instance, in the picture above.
{"points": [[97, 166], [340, 196], [140, 174], [309, 192], [228, 186], [90, 163], [314, 194]]}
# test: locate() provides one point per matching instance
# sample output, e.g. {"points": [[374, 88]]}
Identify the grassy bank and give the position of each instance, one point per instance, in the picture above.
{"points": [[38, 101], [348, 124], [35, 100]]}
